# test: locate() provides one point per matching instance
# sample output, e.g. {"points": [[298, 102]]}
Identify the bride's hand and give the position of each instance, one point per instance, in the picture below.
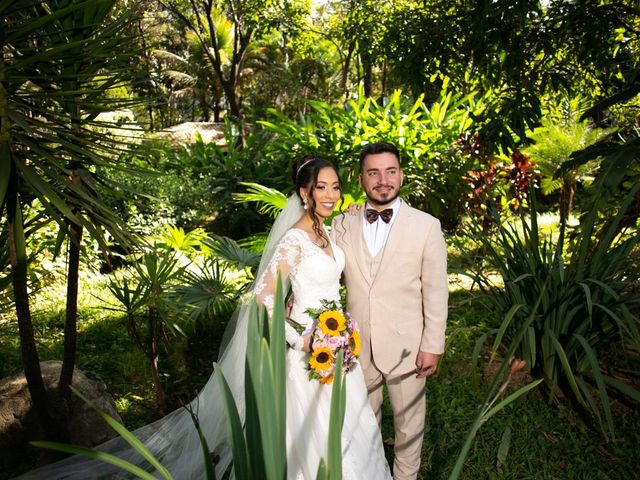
{"points": [[288, 307], [354, 208], [306, 344]]}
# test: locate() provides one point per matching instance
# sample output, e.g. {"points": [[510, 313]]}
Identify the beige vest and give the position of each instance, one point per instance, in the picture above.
{"points": [[373, 263]]}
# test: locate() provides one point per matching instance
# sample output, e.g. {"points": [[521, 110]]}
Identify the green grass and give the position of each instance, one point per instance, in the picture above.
{"points": [[548, 441]]}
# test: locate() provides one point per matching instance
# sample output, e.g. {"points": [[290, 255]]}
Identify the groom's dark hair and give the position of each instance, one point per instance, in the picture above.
{"points": [[378, 147]]}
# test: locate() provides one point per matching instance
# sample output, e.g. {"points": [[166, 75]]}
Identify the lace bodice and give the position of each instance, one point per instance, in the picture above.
{"points": [[311, 272]]}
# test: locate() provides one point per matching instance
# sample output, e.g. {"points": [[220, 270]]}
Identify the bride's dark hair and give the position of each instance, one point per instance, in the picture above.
{"points": [[305, 175]]}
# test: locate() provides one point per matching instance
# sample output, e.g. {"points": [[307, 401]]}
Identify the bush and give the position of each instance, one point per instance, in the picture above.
{"points": [[191, 186], [424, 135], [562, 316]]}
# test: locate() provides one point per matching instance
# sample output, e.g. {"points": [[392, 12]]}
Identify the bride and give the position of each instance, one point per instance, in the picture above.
{"points": [[310, 264]]}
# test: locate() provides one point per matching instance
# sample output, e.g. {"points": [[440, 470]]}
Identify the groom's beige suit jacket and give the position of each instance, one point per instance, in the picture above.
{"points": [[399, 298]]}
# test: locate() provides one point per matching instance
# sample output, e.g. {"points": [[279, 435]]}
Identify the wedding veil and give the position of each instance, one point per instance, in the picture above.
{"points": [[173, 439]]}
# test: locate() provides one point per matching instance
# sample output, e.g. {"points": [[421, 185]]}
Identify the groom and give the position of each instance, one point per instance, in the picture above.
{"points": [[396, 278]]}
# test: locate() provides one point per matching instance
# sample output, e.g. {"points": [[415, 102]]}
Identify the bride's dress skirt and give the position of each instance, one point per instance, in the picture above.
{"points": [[308, 409]]}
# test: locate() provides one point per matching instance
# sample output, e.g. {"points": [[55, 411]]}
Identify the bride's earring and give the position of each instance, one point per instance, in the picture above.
{"points": [[305, 203]]}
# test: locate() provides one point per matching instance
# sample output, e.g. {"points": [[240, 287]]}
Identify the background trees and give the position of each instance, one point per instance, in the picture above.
{"points": [[228, 32]]}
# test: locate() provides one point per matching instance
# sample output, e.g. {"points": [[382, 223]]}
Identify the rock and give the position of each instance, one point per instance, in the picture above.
{"points": [[18, 420]]}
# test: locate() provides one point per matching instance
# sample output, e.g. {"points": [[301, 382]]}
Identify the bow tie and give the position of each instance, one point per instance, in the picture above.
{"points": [[385, 215]]}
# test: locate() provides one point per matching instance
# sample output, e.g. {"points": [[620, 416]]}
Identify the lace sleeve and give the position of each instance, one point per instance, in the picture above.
{"points": [[284, 260]]}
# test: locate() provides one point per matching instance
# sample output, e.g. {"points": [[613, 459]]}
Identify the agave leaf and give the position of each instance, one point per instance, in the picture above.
{"points": [[278, 354], [323, 472], [338, 404], [505, 324], [511, 398], [479, 343], [622, 387], [530, 343], [568, 371], [590, 400], [503, 448], [129, 437], [234, 426], [98, 455], [587, 296], [597, 375]]}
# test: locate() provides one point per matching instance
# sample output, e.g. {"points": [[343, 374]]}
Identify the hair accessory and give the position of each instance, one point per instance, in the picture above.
{"points": [[304, 165]]}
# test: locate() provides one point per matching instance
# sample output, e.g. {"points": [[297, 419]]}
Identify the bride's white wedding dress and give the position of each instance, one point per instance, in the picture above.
{"points": [[315, 276]]}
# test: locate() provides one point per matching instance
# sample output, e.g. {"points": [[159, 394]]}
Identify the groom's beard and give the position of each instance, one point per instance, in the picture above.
{"points": [[382, 201]]}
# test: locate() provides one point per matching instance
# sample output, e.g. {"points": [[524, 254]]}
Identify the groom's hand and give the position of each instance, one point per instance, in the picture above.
{"points": [[426, 364], [354, 208], [306, 343], [288, 307]]}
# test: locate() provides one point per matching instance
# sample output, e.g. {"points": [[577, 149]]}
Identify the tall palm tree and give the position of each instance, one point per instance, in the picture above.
{"points": [[190, 72], [58, 60], [238, 23]]}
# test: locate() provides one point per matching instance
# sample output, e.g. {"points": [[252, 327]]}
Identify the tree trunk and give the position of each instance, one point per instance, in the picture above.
{"points": [[16, 245], [383, 93], [229, 87], [367, 68], [71, 320], [75, 238], [147, 61], [152, 355], [150, 110], [163, 405], [205, 108], [566, 199], [345, 69], [216, 112], [235, 113], [29, 352]]}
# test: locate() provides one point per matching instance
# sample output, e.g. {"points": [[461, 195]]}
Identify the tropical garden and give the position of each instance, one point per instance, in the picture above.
{"points": [[124, 251]]}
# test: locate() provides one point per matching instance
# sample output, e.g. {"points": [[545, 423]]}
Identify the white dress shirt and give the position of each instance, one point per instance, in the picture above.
{"points": [[376, 233]]}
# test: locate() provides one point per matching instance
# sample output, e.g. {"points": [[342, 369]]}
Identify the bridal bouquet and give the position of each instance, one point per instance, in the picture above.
{"points": [[334, 330]]}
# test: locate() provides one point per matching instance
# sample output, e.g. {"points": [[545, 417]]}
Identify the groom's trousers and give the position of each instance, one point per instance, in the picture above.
{"points": [[408, 402]]}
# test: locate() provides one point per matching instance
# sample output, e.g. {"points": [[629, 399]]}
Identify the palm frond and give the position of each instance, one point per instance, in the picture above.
{"points": [[207, 290], [177, 239], [270, 201], [229, 250], [181, 79], [170, 56]]}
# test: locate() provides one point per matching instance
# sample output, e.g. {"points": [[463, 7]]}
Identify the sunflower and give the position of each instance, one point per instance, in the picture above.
{"points": [[326, 380], [355, 343], [321, 359], [332, 322]]}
